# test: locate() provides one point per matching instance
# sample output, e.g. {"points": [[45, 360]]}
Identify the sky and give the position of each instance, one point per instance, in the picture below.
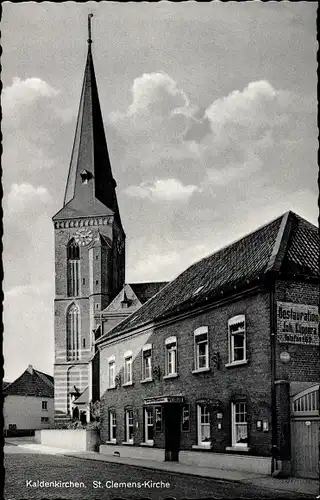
{"points": [[210, 118]]}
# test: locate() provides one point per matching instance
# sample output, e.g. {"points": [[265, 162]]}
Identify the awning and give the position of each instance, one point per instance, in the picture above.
{"points": [[159, 400]]}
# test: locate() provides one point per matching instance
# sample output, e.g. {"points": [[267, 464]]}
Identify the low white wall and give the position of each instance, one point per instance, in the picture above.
{"points": [[258, 465], [70, 439]]}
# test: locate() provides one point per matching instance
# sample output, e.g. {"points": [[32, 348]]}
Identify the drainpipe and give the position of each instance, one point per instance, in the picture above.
{"points": [[273, 326]]}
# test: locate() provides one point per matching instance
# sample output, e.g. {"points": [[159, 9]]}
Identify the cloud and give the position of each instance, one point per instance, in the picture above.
{"points": [[163, 260], [233, 172], [157, 92], [159, 107], [167, 189], [23, 195], [247, 114], [25, 92]]}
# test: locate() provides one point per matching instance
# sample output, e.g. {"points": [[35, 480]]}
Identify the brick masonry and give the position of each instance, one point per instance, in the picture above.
{"points": [[101, 278], [222, 384]]}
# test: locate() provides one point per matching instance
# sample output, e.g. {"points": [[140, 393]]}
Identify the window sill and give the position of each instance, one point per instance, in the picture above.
{"points": [[245, 449], [236, 363], [127, 443], [111, 442], [201, 446], [112, 387], [150, 444], [170, 375], [127, 384], [146, 380], [201, 370]]}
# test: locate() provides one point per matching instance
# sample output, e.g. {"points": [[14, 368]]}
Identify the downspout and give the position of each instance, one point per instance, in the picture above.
{"points": [[273, 326]]}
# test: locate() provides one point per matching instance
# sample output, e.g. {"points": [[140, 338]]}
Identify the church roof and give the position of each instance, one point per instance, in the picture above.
{"points": [[31, 383], [83, 398], [145, 291], [90, 188], [288, 244], [134, 295]]}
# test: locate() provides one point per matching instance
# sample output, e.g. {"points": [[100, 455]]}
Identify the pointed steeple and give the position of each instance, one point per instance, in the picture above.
{"points": [[90, 188]]}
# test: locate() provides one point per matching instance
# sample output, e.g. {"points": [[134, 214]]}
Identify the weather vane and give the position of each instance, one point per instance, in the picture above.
{"points": [[89, 27]]}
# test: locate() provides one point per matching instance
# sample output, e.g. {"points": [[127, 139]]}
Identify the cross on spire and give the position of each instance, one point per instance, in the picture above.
{"points": [[89, 28]]}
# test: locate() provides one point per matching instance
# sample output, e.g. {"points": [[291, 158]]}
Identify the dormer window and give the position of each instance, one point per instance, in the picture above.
{"points": [[85, 176]]}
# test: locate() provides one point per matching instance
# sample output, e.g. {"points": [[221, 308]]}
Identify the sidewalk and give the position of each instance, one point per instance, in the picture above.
{"points": [[295, 485]]}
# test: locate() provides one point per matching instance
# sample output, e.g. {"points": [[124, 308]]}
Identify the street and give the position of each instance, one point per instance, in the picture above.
{"points": [[26, 474]]}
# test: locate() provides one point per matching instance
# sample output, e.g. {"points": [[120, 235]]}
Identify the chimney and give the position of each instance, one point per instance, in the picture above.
{"points": [[30, 369]]}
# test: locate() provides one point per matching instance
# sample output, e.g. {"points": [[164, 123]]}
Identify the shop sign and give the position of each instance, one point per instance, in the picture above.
{"points": [[164, 399], [297, 323]]}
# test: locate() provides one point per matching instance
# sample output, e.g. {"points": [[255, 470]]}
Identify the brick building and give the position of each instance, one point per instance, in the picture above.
{"points": [[224, 360]]}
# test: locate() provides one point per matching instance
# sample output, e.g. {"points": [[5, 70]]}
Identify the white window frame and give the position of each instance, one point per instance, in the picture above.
{"points": [[129, 421], [146, 349], [201, 415], [112, 382], [201, 332], [148, 411], [44, 405], [112, 426], [127, 371], [241, 331], [235, 424], [171, 352]]}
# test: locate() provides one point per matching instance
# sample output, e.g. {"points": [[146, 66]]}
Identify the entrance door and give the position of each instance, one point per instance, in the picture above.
{"points": [[305, 434], [172, 422]]}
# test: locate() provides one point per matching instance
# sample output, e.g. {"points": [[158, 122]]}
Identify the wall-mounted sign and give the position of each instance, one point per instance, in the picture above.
{"points": [[297, 323], [285, 357], [158, 400]]}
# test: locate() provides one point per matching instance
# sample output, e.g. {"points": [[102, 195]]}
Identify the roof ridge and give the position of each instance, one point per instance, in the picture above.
{"points": [[280, 243]]}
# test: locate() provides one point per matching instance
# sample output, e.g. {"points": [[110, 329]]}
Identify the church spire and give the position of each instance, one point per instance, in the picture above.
{"points": [[90, 188]]}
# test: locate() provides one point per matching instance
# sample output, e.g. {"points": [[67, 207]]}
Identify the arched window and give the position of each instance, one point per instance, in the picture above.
{"points": [[73, 257], [73, 333]]}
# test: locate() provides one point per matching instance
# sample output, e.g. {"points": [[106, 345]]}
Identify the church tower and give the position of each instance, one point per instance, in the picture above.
{"points": [[89, 249]]}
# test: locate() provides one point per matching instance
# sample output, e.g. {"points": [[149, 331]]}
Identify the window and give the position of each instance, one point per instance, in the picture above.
{"points": [[129, 425], [239, 425], [44, 405], [237, 339], [146, 362], [112, 426], [128, 368], [73, 333], [148, 425], [44, 419], [185, 418], [111, 372], [203, 425], [158, 415], [73, 268], [171, 356], [201, 350]]}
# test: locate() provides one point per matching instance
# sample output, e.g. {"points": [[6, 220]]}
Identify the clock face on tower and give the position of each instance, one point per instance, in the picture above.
{"points": [[83, 237]]}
